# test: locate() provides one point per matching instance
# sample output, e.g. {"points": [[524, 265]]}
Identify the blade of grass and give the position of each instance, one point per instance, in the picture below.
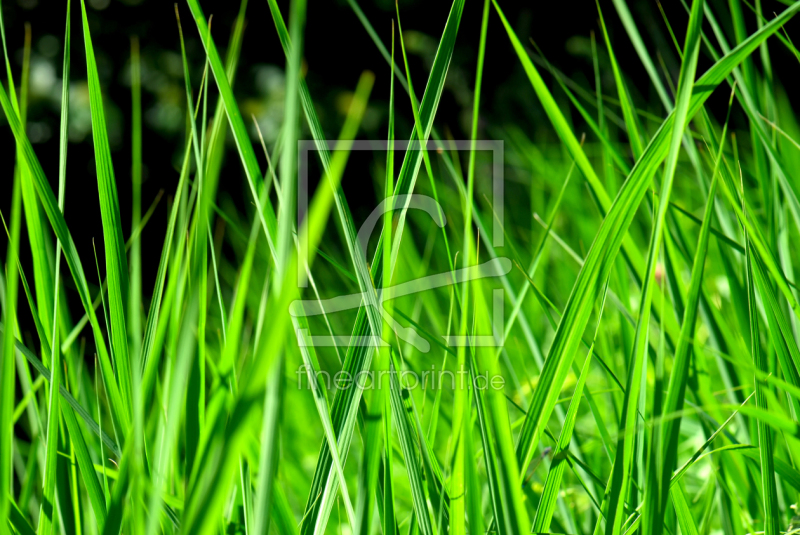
{"points": [[685, 519], [39, 241], [408, 445], [174, 391], [268, 459], [290, 132], [116, 260], [321, 402], [422, 140], [765, 440], [7, 369], [628, 113], [618, 483], [638, 45], [46, 516], [135, 299], [547, 503], [676, 391], [383, 355], [266, 213], [196, 393], [462, 420]]}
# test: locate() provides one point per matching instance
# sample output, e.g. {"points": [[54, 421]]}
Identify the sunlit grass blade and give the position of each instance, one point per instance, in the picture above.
{"points": [[422, 140], [383, 356], [268, 459], [154, 318], [16, 520], [628, 112], [47, 514], [457, 517], [290, 132], [286, 193], [685, 518], [656, 502], [37, 237], [368, 493], [167, 432], [463, 468], [320, 400], [266, 213], [135, 299], [116, 260], [7, 378], [408, 444], [195, 406], [765, 438], [547, 503], [638, 45]]}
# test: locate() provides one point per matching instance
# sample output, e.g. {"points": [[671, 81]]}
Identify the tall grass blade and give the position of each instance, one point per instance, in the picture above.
{"points": [[47, 516], [116, 260], [7, 378], [266, 213], [765, 439], [618, 484], [655, 506]]}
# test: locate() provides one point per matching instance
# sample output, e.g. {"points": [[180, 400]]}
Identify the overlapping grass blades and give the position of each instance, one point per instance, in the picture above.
{"points": [[617, 487], [676, 390], [688, 430], [116, 259], [207, 499], [358, 358], [609, 238], [266, 213], [7, 370], [47, 516]]}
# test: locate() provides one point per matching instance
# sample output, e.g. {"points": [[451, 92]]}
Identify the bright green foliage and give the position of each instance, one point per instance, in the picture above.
{"points": [[651, 384]]}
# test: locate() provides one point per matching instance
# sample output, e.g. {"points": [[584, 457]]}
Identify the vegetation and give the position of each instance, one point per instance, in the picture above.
{"points": [[647, 375]]}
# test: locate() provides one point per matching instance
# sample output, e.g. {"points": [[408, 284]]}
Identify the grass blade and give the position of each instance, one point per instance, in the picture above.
{"points": [[7, 369], [116, 260], [47, 514], [765, 440], [547, 504], [655, 507], [266, 213]]}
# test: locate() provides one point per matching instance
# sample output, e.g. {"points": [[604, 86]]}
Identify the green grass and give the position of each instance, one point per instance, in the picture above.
{"points": [[650, 363]]}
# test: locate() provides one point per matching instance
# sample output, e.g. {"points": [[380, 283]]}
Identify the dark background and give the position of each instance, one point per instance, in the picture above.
{"points": [[337, 50]]}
